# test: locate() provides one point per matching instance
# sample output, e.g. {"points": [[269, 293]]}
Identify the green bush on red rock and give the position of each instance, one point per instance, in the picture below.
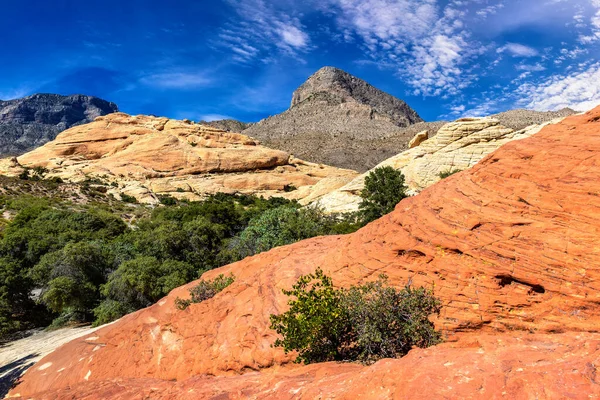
{"points": [[363, 323], [205, 290]]}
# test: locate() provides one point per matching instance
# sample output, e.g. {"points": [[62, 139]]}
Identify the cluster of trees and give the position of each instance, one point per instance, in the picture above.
{"points": [[65, 263]]}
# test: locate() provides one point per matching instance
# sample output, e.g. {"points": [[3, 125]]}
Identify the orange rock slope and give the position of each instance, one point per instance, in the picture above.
{"points": [[510, 246], [147, 156]]}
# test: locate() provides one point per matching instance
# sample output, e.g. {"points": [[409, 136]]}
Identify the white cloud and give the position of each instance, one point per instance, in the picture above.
{"points": [[176, 80], [593, 34], [579, 90], [518, 50], [11, 94], [489, 10], [259, 29], [213, 117], [531, 68], [293, 36], [427, 44]]}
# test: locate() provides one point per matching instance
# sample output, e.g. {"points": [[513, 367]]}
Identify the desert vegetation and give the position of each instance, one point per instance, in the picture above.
{"points": [[362, 323], [62, 262], [204, 290], [384, 188], [95, 261]]}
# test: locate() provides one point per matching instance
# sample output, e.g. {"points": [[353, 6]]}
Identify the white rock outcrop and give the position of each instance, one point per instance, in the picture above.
{"points": [[457, 146]]}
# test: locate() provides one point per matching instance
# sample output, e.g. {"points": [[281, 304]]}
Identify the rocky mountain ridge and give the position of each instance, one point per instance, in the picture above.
{"points": [[228, 125], [343, 87], [335, 118], [34, 120]]}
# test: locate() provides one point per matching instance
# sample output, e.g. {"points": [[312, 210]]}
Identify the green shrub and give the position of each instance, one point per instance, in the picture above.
{"points": [[447, 173], [128, 199], [388, 322], [316, 324], [167, 200], [205, 290], [24, 175], [110, 310], [277, 227], [289, 188], [144, 280], [363, 323], [384, 188], [40, 171]]}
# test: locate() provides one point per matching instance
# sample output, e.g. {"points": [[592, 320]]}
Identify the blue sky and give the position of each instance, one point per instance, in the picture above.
{"points": [[243, 58]]}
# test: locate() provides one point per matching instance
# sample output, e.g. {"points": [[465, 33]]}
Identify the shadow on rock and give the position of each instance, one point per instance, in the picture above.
{"points": [[10, 373]]}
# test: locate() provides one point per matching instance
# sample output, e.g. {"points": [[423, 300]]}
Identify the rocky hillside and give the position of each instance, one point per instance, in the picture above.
{"points": [[147, 156], [457, 146], [32, 121], [520, 119], [338, 119], [229, 125], [347, 88], [509, 247]]}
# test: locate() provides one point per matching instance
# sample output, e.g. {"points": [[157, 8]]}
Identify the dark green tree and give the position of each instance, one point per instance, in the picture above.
{"points": [[384, 188], [277, 227]]}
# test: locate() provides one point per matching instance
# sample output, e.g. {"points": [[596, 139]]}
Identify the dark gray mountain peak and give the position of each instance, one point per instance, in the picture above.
{"points": [[349, 88], [34, 120]]}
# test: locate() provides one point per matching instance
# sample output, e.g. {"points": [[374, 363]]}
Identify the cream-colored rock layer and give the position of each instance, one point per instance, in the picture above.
{"points": [[457, 146], [147, 156]]}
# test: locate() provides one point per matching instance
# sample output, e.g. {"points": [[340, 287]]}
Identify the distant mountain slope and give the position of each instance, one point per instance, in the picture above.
{"points": [[520, 119], [32, 121], [228, 125], [335, 118]]}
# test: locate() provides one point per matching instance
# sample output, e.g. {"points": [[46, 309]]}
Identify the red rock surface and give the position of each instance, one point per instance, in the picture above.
{"points": [[510, 246], [488, 367]]}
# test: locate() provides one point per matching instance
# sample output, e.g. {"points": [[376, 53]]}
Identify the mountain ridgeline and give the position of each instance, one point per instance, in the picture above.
{"points": [[344, 87], [32, 121], [338, 119]]}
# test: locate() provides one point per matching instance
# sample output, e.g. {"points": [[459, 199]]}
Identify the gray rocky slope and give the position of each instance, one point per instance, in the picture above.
{"points": [[229, 125], [338, 119], [520, 118], [32, 121]]}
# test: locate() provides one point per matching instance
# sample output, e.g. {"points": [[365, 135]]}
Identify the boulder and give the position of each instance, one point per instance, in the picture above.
{"points": [[418, 139]]}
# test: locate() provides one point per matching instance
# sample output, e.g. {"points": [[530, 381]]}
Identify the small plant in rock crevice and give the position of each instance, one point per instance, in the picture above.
{"points": [[205, 290]]}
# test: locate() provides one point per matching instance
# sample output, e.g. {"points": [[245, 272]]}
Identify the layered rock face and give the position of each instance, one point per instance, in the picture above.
{"points": [[35, 120], [457, 146], [338, 119], [509, 246], [148, 156]]}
